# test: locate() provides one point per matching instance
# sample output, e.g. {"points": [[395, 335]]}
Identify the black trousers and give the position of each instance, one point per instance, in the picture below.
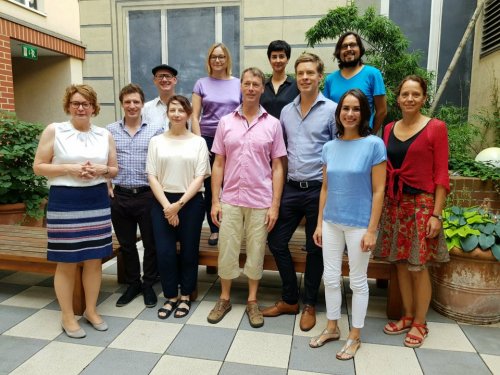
{"points": [[297, 203], [208, 187], [128, 211]]}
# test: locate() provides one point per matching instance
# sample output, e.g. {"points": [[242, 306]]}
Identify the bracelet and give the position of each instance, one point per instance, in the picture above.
{"points": [[107, 171]]}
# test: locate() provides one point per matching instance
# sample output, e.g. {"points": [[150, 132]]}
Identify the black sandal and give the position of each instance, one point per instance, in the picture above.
{"points": [[181, 312], [167, 312]]}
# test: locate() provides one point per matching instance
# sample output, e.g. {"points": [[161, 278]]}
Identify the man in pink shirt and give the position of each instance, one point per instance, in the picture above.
{"points": [[249, 146]]}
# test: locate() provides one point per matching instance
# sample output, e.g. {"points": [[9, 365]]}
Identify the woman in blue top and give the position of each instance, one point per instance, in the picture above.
{"points": [[350, 205]]}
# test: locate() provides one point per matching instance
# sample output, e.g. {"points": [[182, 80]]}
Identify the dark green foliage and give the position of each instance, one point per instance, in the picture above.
{"points": [[469, 228], [386, 46], [18, 183]]}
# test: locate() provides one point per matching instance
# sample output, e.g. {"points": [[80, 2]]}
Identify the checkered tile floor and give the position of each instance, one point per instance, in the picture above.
{"points": [[31, 341]]}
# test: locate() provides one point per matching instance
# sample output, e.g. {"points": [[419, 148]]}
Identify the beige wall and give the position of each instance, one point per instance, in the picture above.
{"points": [[39, 87], [484, 78], [59, 16]]}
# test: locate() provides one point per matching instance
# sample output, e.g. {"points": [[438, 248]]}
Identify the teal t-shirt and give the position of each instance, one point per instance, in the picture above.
{"points": [[369, 80], [349, 174]]}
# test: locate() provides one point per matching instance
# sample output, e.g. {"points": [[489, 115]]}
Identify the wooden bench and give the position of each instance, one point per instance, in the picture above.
{"points": [[25, 249], [377, 269]]}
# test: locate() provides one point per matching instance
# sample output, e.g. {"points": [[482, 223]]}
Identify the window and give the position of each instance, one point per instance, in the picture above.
{"points": [[181, 38], [32, 4], [491, 27]]}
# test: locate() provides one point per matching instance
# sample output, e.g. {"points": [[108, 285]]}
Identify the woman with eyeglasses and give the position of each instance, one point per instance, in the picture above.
{"points": [[214, 97], [78, 157]]}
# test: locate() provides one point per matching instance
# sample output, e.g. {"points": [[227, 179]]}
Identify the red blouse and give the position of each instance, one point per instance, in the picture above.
{"points": [[426, 163]]}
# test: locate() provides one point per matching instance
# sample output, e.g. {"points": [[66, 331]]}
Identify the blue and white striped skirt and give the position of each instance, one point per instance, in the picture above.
{"points": [[78, 223]]}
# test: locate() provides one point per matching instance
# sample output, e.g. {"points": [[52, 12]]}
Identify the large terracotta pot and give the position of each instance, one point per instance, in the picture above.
{"points": [[15, 214], [467, 288]]}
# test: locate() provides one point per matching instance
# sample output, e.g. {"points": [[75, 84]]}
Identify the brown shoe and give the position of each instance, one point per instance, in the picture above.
{"points": [[308, 318], [255, 317], [222, 307], [280, 308]]}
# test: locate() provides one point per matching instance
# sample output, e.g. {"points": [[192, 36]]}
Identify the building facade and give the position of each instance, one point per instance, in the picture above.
{"points": [[40, 54]]}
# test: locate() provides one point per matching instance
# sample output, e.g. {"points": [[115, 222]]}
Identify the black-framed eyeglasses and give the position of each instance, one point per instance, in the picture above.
{"points": [[76, 105], [166, 76]]}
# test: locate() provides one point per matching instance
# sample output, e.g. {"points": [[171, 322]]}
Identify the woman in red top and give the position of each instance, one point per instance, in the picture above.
{"points": [[411, 226]]}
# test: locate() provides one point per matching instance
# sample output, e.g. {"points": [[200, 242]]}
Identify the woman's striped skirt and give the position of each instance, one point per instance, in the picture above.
{"points": [[78, 223]]}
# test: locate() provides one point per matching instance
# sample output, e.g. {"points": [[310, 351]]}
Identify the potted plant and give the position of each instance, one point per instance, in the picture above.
{"points": [[466, 288], [22, 193]]}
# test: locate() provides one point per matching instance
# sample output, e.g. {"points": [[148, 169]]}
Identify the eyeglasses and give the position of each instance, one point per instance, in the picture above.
{"points": [[349, 45], [219, 57], [76, 105], [166, 76]]}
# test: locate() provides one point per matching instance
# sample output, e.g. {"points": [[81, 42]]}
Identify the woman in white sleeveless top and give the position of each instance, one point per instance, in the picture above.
{"points": [[77, 157]]}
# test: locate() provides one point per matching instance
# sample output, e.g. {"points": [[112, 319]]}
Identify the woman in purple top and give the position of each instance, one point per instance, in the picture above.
{"points": [[213, 97]]}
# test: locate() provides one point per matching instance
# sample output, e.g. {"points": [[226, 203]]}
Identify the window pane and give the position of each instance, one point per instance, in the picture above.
{"points": [[190, 33], [231, 35], [145, 48]]}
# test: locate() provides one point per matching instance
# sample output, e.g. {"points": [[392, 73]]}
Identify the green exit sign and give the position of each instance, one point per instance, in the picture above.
{"points": [[29, 52]]}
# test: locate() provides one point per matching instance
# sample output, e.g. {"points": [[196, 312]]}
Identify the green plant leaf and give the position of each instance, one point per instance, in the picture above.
{"points": [[466, 231], [470, 243], [475, 219], [497, 229], [488, 228], [486, 241], [495, 249]]}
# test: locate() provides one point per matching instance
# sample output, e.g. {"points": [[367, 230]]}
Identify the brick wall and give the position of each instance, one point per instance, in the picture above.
{"points": [[469, 192], [8, 30]]}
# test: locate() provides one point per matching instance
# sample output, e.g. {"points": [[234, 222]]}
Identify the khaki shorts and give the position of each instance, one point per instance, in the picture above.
{"points": [[236, 222]]}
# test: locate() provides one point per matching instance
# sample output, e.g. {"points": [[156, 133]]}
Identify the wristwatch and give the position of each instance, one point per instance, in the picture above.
{"points": [[181, 203], [439, 217]]}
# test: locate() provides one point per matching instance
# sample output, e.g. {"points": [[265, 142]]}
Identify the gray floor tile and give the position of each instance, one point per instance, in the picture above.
{"points": [[323, 360], [446, 362], [97, 338], [9, 290], [4, 273], [202, 342], [434, 316], [230, 368], [486, 340], [47, 282], [373, 333], [111, 270], [12, 315], [152, 313], [282, 324], [17, 350], [118, 361]]}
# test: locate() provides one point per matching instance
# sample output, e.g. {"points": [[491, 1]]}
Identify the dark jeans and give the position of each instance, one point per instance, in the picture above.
{"points": [[295, 204], [128, 211], [188, 233], [208, 187]]}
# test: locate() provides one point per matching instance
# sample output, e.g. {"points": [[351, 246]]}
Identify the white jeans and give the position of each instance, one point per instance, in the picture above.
{"points": [[335, 237]]}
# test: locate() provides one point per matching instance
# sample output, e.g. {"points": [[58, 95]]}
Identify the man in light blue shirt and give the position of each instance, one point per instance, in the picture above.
{"points": [[308, 123], [132, 197], [353, 74]]}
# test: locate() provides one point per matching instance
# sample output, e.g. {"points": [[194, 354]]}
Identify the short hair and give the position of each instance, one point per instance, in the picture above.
{"points": [[84, 90], [131, 88], [415, 78], [279, 45], [183, 101], [338, 46], [255, 72], [364, 106], [310, 57], [229, 60]]}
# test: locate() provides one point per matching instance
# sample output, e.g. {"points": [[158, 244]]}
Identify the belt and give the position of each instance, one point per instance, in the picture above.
{"points": [[304, 184], [137, 190]]}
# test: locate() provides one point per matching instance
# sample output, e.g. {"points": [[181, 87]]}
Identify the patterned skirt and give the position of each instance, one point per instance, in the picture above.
{"points": [[78, 223], [402, 232]]}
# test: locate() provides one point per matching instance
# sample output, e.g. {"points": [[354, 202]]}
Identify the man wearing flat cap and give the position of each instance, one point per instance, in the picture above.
{"points": [[165, 79]]}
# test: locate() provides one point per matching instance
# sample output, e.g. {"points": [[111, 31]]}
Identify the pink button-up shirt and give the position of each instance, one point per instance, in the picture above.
{"points": [[249, 150]]}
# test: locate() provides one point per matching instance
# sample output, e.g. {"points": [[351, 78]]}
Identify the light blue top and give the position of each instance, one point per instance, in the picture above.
{"points": [[306, 136], [349, 171], [369, 80]]}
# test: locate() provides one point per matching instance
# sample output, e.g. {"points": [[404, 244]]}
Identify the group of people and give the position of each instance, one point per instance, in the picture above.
{"points": [[271, 153]]}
